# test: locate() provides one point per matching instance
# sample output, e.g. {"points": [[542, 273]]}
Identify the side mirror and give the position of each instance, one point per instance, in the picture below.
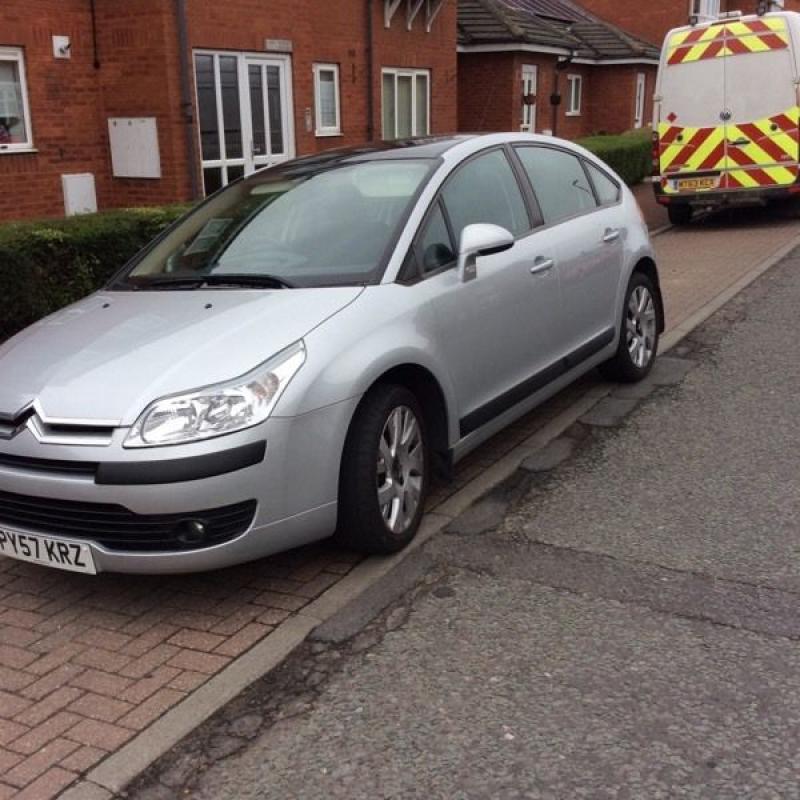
{"points": [[480, 240]]}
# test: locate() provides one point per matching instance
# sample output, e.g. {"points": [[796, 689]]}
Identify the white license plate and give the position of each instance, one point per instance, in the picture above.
{"points": [[58, 553]]}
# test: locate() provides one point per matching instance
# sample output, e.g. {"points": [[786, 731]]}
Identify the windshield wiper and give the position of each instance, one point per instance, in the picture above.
{"points": [[218, 280], [259, 281]]}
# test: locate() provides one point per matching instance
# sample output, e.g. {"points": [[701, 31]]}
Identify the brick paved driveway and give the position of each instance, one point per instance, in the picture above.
{"points": [[87, 663]]}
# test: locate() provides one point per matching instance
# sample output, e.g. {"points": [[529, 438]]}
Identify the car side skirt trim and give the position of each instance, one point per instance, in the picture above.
{"points": [[502, 403], [179, 470]]}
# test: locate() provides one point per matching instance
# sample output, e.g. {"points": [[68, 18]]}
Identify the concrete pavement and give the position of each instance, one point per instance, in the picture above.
{"points": [[621, 625]]}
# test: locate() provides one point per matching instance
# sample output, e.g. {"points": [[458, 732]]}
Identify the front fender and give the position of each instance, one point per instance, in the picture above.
{"points": [[386, 327]]}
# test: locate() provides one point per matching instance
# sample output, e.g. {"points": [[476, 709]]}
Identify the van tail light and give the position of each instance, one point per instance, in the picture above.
{"points": [[656, 155]]}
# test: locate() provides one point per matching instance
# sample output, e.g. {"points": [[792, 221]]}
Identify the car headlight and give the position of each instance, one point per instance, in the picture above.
{"points": [[217, 410]]}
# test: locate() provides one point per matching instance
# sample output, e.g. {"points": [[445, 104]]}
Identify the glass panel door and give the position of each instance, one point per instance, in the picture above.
{"points": [[529, 81], [244, 112]]}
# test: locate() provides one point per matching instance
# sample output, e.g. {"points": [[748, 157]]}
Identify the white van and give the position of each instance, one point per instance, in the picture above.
{"points": [[726, 113]]}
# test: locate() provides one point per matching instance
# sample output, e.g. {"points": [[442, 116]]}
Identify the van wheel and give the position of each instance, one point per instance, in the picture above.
{"points": [[680, 215], [385, 472], [638, 341]]}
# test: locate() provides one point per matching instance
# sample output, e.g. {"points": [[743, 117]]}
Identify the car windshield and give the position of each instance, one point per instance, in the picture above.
{"points": [[287, 228]]}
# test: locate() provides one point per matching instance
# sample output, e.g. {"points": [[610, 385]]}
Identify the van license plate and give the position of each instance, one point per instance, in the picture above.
{"points": [[696, 184], [58, 553]]}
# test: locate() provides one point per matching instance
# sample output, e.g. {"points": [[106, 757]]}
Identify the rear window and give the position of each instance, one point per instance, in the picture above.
{"points": [[559, 182]]}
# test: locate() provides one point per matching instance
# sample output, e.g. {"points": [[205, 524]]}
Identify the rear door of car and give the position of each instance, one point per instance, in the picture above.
{"points": [[587, 237]]}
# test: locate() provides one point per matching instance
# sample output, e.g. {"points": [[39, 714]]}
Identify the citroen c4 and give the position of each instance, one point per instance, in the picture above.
{"points": [[298, 355]]}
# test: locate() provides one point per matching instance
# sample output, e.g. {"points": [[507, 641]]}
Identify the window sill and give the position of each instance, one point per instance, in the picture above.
{"points": [[10, 151], [573, 114], [327, 134]]}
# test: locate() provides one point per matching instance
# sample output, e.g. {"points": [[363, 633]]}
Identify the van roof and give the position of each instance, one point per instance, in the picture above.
{"points": [[743, 18]]}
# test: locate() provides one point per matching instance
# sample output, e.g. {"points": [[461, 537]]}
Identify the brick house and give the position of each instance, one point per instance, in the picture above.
{"points": [[667, 14], [107, 104], [550, 66]]}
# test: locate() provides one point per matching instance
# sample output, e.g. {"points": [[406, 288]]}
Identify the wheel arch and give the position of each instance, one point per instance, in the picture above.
{"points": [[426, 388]]}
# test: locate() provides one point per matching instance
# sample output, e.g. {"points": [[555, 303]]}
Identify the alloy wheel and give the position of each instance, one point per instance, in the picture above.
{"points": [[641, 326], [401, 465]]}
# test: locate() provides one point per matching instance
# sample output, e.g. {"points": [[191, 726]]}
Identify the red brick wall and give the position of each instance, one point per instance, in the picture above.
{"points": [[65, 117], [490, 95], [139, 76], [653, 23]]}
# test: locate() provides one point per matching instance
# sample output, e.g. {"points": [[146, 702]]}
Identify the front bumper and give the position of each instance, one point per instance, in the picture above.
{"points": [[294, 486]]}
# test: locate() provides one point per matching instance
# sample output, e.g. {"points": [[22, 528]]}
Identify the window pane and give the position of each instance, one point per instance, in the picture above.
{"points": [[389, 122], [255, 75], [275, 109], [559, 182], [422, 105], [435, 247], [13, 128], [232, 118], [607, 189], [486, 190], [404, 118], [327, 99], [212, 179], [207, 107], [235, 172]]}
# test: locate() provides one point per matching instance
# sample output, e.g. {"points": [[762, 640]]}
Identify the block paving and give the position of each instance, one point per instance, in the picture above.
{"points": [[88, 663]]}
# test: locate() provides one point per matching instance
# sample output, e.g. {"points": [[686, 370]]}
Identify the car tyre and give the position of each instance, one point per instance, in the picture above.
{"points": [[680, 214], [385, 472], [639, 333]]}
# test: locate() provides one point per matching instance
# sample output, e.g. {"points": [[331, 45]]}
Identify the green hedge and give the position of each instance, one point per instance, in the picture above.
{"points": [[46, 265], [628, 154]]}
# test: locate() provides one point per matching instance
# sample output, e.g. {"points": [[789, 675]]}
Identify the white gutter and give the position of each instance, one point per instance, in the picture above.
{"points": [[525, 47]]}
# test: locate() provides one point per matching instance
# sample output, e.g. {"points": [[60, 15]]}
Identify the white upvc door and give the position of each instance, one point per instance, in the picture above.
{"points": [[530, 79], [244, 107], [641, 95]]}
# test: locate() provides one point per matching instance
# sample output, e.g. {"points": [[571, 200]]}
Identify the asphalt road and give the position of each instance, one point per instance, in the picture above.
{"points": [[622, 625]]}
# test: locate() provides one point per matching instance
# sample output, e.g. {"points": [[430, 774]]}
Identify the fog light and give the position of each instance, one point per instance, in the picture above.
{"points": [[192, 532]]}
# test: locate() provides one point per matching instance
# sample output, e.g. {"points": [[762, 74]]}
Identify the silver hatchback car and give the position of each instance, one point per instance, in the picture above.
{"points": [[296, 357]]}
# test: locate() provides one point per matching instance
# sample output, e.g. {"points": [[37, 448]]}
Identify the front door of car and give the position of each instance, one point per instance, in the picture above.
{"points": [[588, 226], [497, 331]]}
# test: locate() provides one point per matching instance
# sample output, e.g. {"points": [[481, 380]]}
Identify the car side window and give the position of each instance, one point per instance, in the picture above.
{"points": [[435, 248], [485, 190], [608, 190], [559, 182]]}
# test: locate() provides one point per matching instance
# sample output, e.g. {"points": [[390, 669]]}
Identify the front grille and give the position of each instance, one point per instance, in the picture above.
{"points": [[117, 528], [50, 466]]}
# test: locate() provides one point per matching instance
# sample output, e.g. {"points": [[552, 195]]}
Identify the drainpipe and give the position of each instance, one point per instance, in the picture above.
{"points": [[187, 109], [94, 34], [370, 75]]}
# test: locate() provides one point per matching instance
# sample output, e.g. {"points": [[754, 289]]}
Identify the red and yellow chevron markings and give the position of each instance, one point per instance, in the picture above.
{"points": [[763, 153], [730, 39]]}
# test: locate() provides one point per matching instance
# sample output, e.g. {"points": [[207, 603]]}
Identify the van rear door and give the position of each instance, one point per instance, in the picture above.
{"points": [[691, 92], [728, 116], [761, 101]]}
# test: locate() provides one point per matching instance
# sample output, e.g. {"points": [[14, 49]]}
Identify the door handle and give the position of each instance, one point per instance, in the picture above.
{"points": [[741, 142], [611, 235], [542, 265]]}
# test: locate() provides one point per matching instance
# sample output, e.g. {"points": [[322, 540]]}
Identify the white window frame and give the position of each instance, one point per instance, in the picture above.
{"points": [[706, 9], [319, 129], [575, 95], [641, 100], [249, 160], [398, 72], [530, 80], [16, 54]]}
